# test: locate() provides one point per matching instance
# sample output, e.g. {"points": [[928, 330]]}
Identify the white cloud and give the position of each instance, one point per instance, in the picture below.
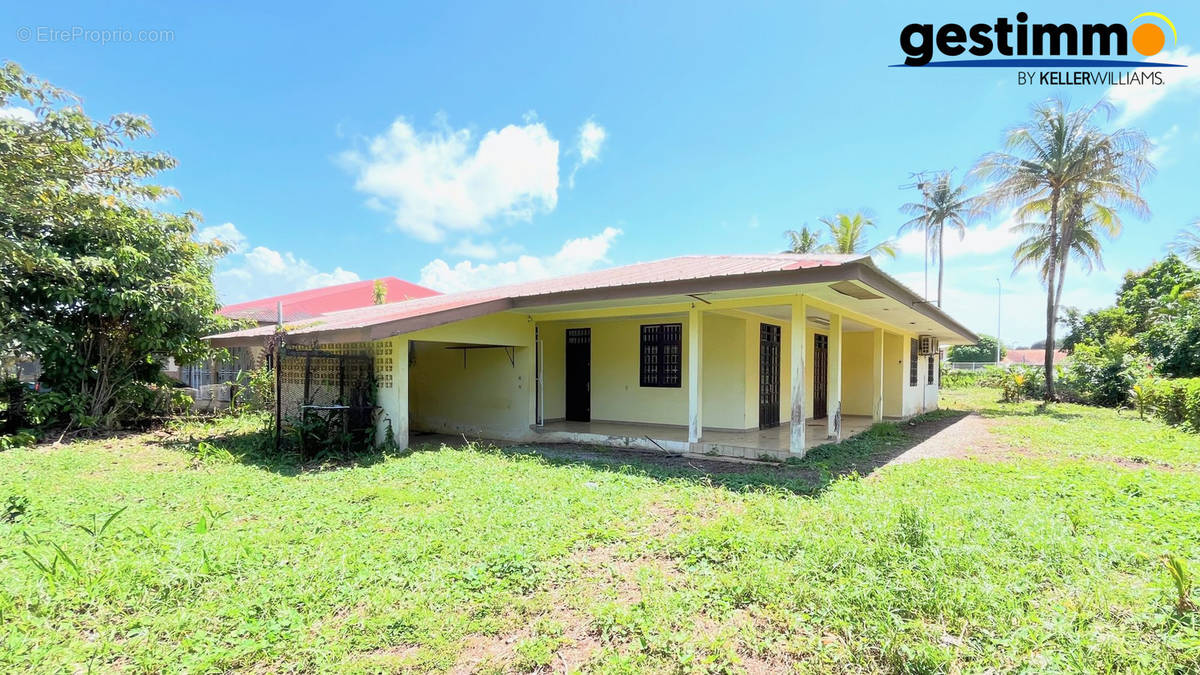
{"points": [[14, 112], [1135, 100], [591, 138], [979, 240], [226, 233], [588, 144], [263, 272], [576, 255], [442, 180], [470, 249]]}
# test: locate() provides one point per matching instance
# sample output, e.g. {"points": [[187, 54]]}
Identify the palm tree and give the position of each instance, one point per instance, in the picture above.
{"points": [[847, 232], [1085, 246], [1187, 243], [803, 241], [1062, 166], [943, 204]]}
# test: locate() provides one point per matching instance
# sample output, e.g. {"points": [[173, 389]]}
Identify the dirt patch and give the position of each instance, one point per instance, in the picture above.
{"points": [[965, 437]]}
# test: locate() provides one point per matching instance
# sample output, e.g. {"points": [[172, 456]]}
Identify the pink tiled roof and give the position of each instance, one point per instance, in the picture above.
{"points": [[317, 301], [1033, 356]]}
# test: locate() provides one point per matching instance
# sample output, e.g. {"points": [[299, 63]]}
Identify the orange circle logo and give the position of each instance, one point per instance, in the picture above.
{"points": [[1148, 39]]}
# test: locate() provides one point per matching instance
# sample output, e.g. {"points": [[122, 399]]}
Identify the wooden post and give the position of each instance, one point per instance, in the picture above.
{"points": [[834, 393], [695, 383], [799, 342]]}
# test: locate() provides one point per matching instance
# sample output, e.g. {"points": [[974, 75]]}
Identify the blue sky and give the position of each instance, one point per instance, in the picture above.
{"points": [[470, 144]]}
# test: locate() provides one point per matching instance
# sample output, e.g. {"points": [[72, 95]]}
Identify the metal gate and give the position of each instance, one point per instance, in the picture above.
{"points": [[768, 376], [325, 401], [820, 376]]}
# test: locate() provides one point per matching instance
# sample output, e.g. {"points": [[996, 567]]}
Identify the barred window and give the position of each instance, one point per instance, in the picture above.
{"points": [[929, 378], [661, 355], [912, 363]]}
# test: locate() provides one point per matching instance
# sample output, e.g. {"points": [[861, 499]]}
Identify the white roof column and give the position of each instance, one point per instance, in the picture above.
{"points": [[834, 384], [799, 341], [877, 376], [392, 393], [695, 383]]}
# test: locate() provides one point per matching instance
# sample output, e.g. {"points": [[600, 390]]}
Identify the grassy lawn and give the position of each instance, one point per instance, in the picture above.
{"points": [[1045, 557]]}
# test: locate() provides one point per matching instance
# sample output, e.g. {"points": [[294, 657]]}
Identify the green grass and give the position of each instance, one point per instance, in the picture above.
{"points": [[219, 558], [1066, 430]]}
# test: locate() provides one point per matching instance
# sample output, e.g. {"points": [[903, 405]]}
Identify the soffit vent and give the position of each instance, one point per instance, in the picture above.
{"points": [[854, 290]]}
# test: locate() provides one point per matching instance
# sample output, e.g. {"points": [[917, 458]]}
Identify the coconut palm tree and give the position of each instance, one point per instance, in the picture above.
{"points": [[803, 241], [847, 233], [943, 205], [1187, 243], [1085, 247], [1062, 166]]}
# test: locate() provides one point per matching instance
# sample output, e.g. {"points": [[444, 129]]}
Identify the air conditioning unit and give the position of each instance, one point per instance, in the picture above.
{"points": [[928, 345]]}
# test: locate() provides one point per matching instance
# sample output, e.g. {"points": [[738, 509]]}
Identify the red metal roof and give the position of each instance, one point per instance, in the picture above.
{"points": [[435, 310], [659, 271], [317, 301]]}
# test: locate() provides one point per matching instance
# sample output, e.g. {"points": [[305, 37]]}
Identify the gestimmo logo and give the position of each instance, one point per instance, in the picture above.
{"points": [[1020, 44]]}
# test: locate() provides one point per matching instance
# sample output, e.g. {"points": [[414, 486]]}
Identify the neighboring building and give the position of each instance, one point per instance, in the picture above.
{"points": [[733, 355], [1032, 357], [303, 305], [298, 306]]}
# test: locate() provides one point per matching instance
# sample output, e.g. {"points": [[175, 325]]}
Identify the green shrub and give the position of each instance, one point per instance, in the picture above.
{"points": [[21, 439], [1105, 374], [1176, 402], [961, 379], [254, 391]]}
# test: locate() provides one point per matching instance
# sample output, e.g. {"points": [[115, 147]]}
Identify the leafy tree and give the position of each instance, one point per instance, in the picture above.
{"points": [[1094, 327], [1148, 294], [803, 241], [943, 205], [983, 351], [94, 281], [379, 292], [1158, 308], [847, 233], [1061, 166]]}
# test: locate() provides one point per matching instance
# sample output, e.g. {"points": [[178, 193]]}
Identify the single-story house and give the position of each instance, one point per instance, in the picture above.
{"points": [[734, 355]]}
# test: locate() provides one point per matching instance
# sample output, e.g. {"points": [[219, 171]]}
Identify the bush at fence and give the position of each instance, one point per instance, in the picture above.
{"points": [[1176, 402]]}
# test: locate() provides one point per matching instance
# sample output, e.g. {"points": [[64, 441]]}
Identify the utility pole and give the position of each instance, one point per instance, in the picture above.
{"points": [[921, 184], [997, 321]]}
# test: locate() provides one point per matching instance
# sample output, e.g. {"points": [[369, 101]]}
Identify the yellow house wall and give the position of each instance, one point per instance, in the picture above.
{"points": [[616, 391], [616, 394], [724, 372], [895, 375], [856, 373], [490, 395]]}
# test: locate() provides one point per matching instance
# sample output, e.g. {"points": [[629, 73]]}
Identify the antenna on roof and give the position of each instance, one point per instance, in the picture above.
{"points": [[279, 313]]}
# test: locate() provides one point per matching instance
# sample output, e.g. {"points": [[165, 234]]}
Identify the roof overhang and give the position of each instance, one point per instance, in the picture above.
{"points": [[860, 270]]}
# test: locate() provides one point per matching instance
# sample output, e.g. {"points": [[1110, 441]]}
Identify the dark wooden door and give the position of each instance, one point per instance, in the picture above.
{"points": [[579, 374], [820, 376], [768, 376]]}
